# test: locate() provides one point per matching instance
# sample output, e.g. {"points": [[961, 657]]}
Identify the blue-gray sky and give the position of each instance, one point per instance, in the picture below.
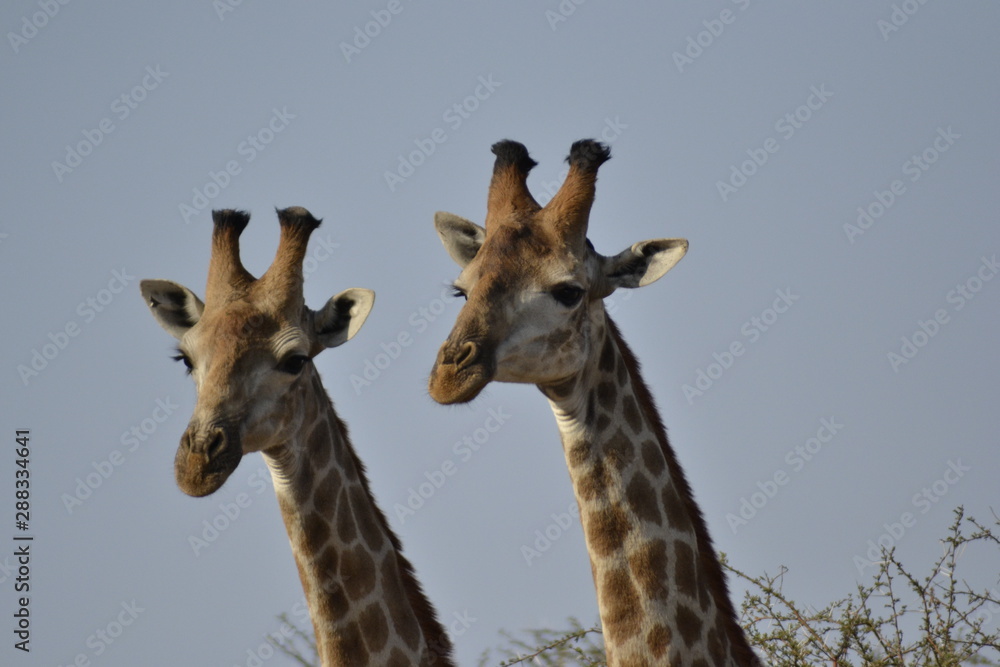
{"points": [[756, 130]]}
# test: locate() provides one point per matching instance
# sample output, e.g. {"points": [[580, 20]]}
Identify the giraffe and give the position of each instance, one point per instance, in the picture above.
{"points": [[534, 313], [249, 348]]}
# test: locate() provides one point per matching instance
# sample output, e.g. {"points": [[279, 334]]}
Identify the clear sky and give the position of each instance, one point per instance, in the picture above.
{"points": [[828, 343]]}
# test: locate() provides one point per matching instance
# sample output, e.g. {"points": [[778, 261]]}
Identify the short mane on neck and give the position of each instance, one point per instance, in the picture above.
{"points": [[366, 604], [661, 588], [709, 565]]}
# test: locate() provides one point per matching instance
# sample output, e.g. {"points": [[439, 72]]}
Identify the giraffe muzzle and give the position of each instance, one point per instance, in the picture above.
{"points": [[461, 371], [205, 459]]}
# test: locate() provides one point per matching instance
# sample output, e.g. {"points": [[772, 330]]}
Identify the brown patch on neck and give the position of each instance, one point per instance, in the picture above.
{"points": [[711, 573], [351, 469], [435, 637]]}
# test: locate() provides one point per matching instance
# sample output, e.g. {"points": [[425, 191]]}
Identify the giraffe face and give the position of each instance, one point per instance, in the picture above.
{"points": [[249, 351], [533, 282], [530, 302], [525, 317], [247, 366]]}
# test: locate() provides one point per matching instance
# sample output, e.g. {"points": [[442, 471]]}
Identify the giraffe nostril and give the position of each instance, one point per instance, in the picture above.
{"points": [[216, 444], [187, 441], [211, 444], [466, 355]]}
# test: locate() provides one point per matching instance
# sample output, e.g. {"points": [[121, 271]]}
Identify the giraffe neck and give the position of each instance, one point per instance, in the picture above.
{"points": [[661, 590], [366, 605]]}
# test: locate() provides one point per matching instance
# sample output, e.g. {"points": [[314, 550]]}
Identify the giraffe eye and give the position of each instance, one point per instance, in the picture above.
{"points": [[567, 294], [294, 364], [180, 356], [457, 292]]}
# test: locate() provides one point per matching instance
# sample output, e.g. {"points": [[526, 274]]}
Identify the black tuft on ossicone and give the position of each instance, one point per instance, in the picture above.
{"points": [[588, 154], [510, 152], [230, 219], [297, 217]]}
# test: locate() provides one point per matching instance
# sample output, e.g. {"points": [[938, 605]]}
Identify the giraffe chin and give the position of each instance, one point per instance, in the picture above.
{"points": [[199, 475], [449, 387], [200, 483]]}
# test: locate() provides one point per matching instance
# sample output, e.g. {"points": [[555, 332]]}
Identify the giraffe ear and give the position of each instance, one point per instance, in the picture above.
{"points": [[461, 238], [645, 262], [174, 306], [342, 316]]}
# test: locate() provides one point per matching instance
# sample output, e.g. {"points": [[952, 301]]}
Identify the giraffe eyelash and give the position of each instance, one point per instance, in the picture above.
{"points": [[180, 356]]}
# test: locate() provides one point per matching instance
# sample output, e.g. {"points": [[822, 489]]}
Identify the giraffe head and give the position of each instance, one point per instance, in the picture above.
{"points": [[248, 346], [532, 280]]}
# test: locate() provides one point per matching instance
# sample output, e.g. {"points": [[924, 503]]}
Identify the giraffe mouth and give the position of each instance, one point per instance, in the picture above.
{"points": [[205, 460], [449, 385], [460, 373]]}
